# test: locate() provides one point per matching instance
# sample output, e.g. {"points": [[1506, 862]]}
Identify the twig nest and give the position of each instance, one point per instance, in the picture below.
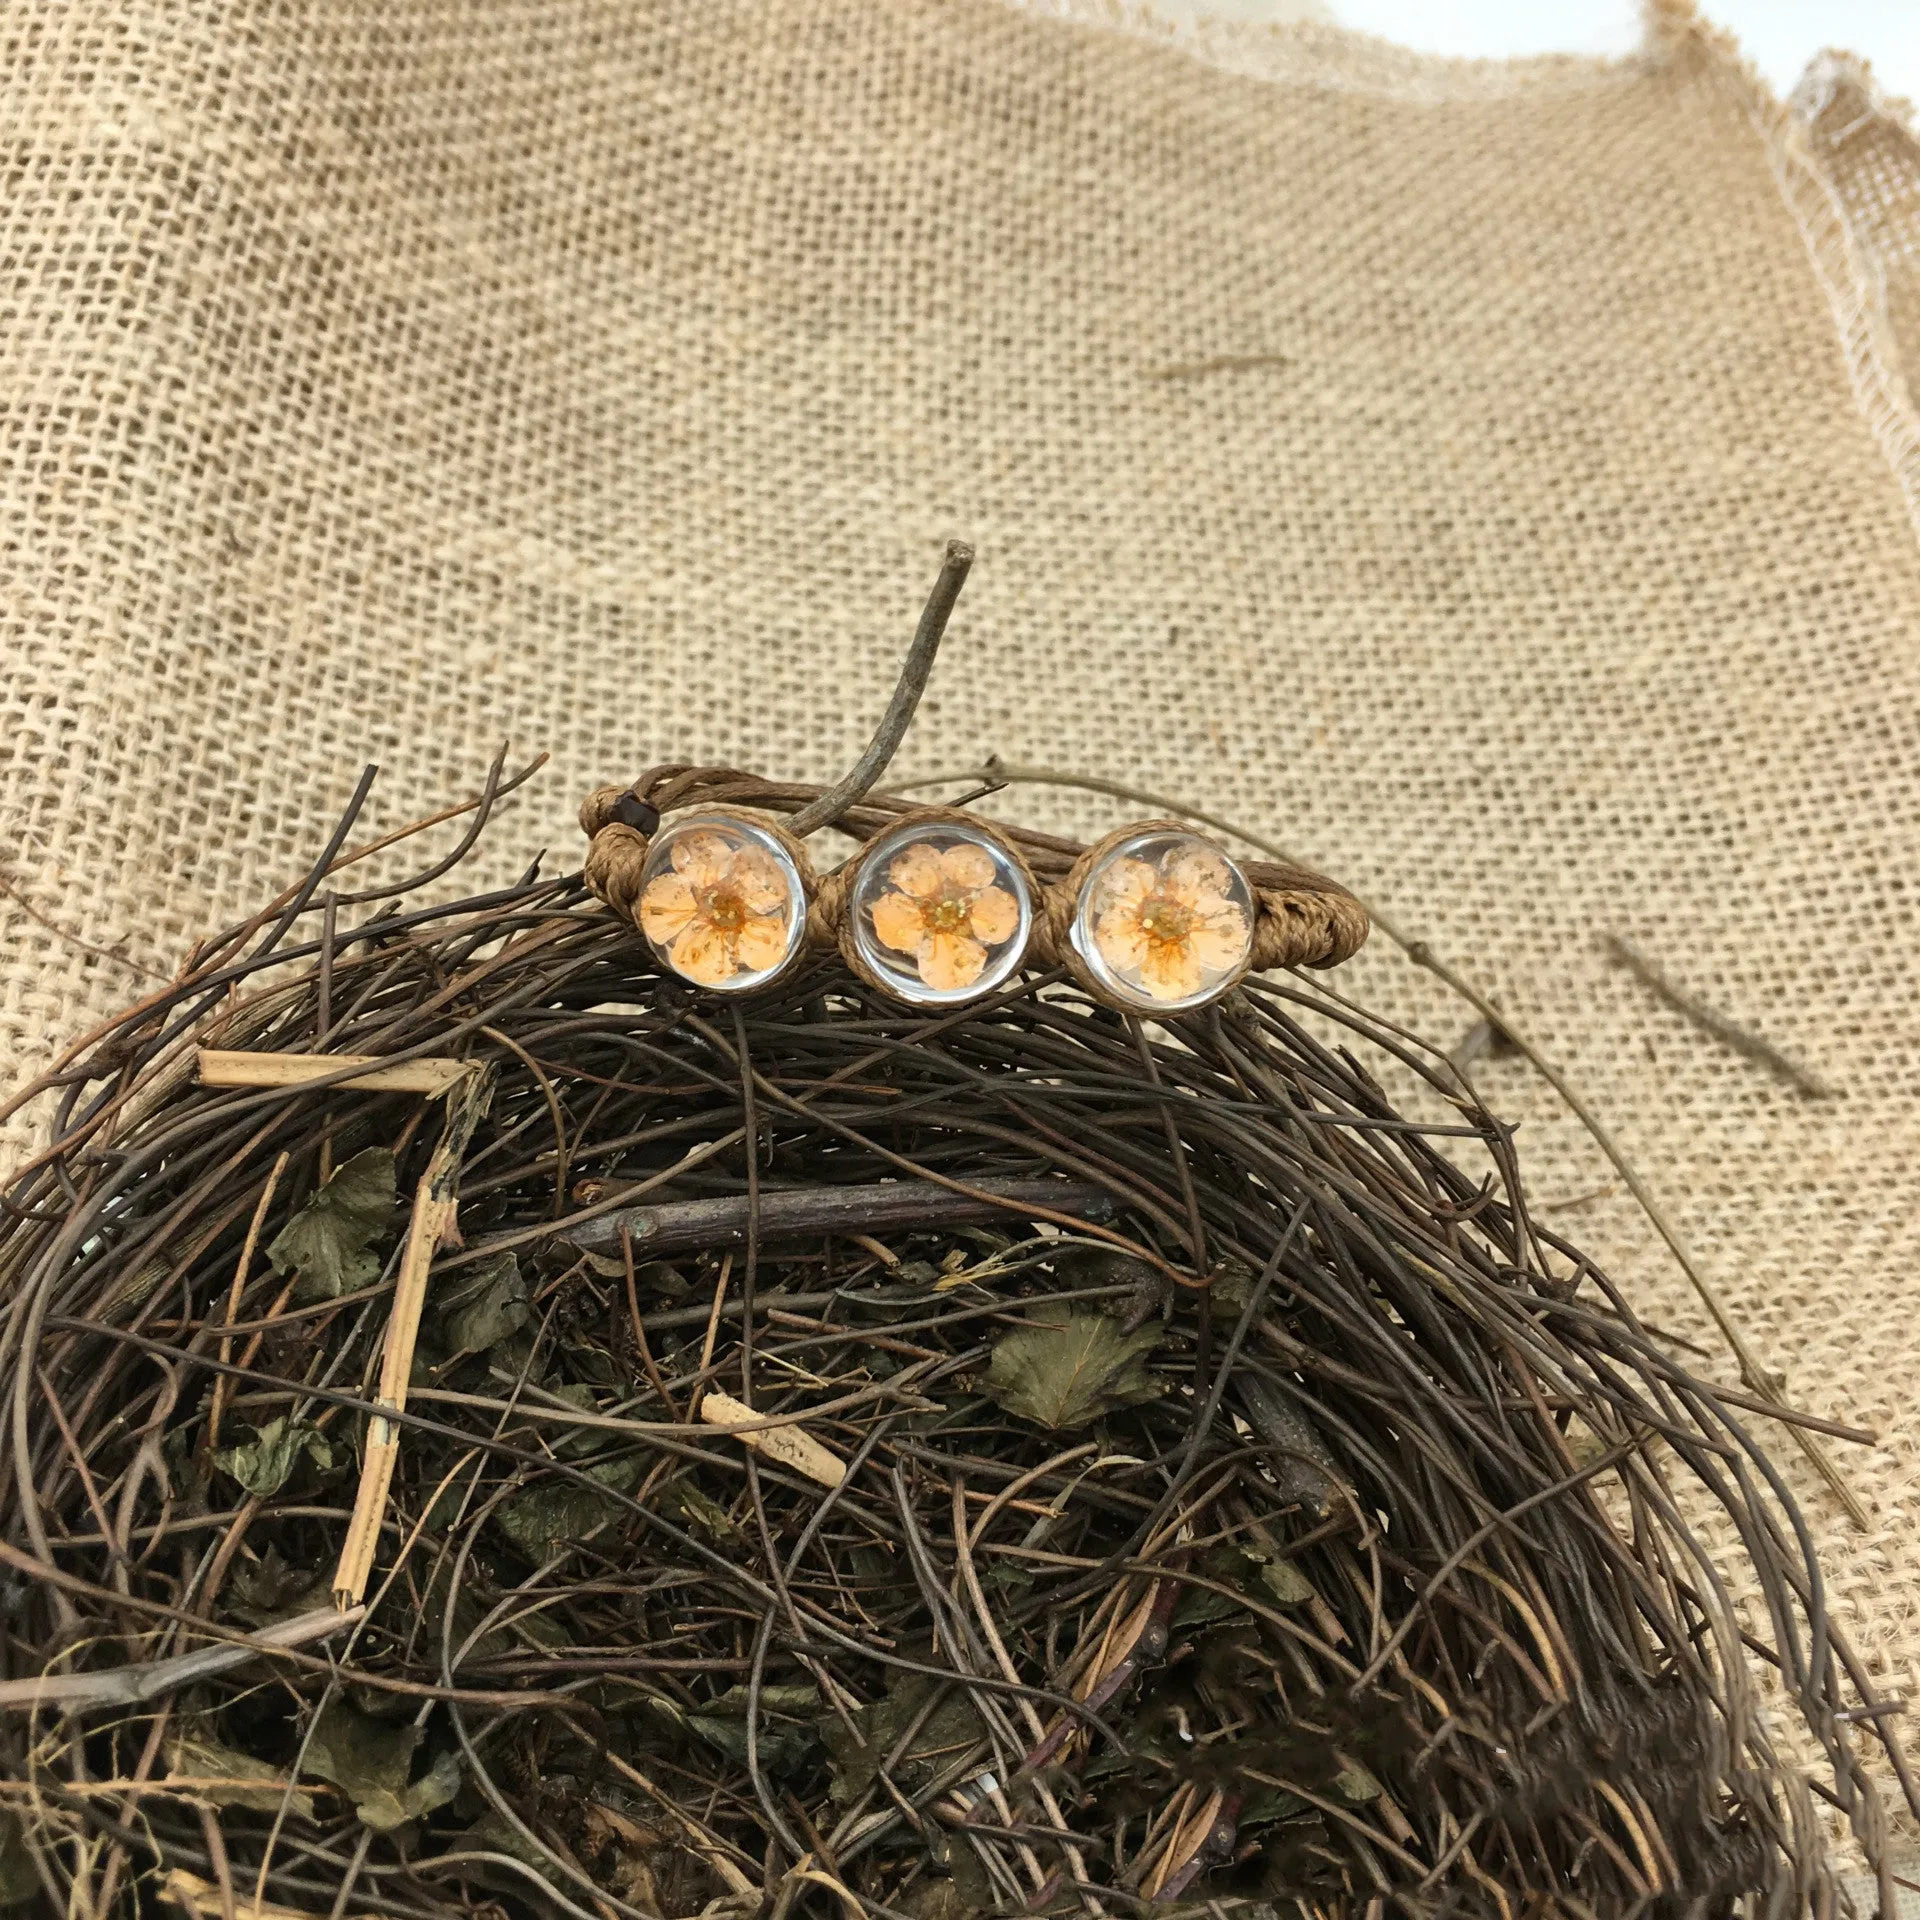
{"points": [[936, 912], [723, 899], [1162, 920]]}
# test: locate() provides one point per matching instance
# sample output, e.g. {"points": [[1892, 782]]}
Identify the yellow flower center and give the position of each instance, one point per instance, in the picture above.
{"points": [[1165, 919], [724, 910], [947, 913]]}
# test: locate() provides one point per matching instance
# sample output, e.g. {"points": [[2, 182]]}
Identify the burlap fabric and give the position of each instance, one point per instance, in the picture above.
{"points": [[1496, 482]]}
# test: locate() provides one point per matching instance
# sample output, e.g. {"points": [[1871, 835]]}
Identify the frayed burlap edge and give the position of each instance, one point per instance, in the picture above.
{"points": [[1849, 263], [1304, 53]]}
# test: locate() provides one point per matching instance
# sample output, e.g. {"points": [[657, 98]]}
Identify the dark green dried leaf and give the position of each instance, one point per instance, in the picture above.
{"points": [[546, 1516], [1269, 1804], [485, 1304], [1232, 1288], [187, 1470], [269, 1589], [195, 1755], [1257, 1572], [493, 1832], [1007, 1576], [1071, 1368], [329, 1242], [1284, 1584], [784, 1746], [700, 1513], [370, 1760], [1201, 1606], [262, 1465], [946, 1733]]}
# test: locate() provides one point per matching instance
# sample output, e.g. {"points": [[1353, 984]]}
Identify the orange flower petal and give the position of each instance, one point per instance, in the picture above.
{"points": [[665, 907], [703, 955], [995, 914], [949, 961], [916, 870], [1121, 943], [1220, 941], [1197, 877], [968, 866], [757, 879], [1170, 970], [702, 857], [899, 922], [1126, 883], [761, 943]]}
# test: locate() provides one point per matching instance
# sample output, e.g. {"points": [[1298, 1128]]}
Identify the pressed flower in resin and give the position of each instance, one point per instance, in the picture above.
{"points": [[722, 902], [1166, 921], [940, 911]]}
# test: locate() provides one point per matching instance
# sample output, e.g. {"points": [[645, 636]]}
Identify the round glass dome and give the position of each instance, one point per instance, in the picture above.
{"points": [[1164, 921], [939, 912], [722, 903]]}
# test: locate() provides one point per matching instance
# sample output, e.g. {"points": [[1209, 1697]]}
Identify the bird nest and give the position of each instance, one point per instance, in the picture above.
{"points": [[500, 1423]]}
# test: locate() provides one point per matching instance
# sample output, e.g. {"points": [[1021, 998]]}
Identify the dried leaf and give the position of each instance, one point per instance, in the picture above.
{"points": [[784, 1746], [1353, 1782], [624, 1853], [493, 1832], [200, 1758], [269, 1589], [328, 1242], [1269, 1804], [1071, 1368], [369, 1761], [484, 1306], [262, 1465], [701, 1513], [1284, 1584], [946, 1733], [1255, 1571], [541, 1518], [1201, 1606]]}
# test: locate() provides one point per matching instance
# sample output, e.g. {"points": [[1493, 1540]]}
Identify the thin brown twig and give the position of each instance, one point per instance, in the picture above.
{"points": [[911, 684], [60, 933], [1743, 1040]]}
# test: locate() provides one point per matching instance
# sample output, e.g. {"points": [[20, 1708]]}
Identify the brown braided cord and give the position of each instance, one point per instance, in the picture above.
{"points": [[616, 862], [616, 865], [1304, 919]]}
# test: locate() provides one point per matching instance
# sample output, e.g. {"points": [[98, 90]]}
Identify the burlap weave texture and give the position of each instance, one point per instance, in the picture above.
{"points": [[1495, 482]]}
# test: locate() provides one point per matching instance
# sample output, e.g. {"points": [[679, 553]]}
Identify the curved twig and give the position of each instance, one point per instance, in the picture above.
{"points": [[906, 697]]}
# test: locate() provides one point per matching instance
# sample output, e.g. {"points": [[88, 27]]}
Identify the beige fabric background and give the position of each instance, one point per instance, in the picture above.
{"points": [[1495, 482]]}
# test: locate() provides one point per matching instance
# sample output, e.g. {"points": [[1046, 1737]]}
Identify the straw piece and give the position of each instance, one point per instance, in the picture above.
{"points": [[436, 1203], [142, 1680], [787, 1444], [226, 1069]]}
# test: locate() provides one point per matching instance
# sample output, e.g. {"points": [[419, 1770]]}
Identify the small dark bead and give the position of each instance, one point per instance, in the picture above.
{"points": [[630, 811]]}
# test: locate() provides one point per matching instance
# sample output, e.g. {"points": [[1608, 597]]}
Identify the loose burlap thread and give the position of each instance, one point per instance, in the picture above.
{"points": [[1497, 483]]}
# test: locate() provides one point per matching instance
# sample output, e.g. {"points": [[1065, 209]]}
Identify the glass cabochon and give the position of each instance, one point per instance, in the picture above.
{"points": [[940, 914], [1165, 921], [721, 902]]}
